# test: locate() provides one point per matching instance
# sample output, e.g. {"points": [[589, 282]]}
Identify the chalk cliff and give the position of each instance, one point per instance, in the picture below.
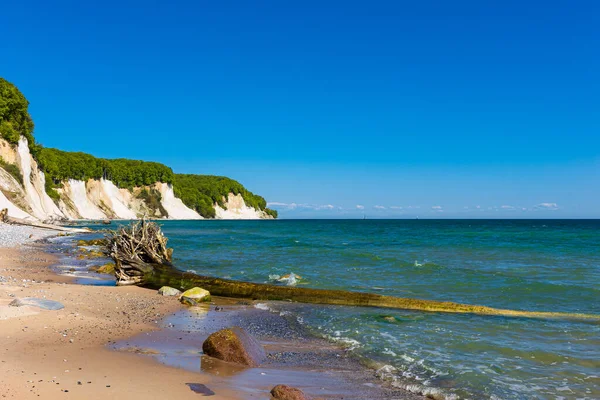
{"points": [[94, 199]]}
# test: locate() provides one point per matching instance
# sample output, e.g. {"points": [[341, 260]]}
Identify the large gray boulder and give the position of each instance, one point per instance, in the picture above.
{"points": [[234, 345]]}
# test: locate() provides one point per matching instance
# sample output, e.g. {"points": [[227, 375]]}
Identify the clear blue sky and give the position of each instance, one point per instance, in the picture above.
{"points": [[329, 109]]}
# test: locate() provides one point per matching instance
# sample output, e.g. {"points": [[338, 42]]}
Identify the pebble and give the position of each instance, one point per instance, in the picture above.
{"points": [[15, 235]]}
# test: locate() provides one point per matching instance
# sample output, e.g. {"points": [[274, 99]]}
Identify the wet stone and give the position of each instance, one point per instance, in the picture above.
{"points": [[234, 345], [201, 389], [195, 296], [284, 392]]}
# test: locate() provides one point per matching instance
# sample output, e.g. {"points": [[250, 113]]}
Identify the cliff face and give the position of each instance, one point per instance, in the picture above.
{"points": [[94, 199], [236, 208]]}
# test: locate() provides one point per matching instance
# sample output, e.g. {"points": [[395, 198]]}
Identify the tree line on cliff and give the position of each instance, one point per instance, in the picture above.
{"points": [[199, 192]]}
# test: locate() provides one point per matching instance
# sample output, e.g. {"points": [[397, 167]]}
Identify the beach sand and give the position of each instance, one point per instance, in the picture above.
{"points": [[70, 353], [52, 354]]}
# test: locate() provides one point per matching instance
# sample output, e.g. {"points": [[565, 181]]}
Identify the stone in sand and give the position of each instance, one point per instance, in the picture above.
{"points": [[195, 296], [234, 345], [35, 302], [168, 291], [284, 392]]}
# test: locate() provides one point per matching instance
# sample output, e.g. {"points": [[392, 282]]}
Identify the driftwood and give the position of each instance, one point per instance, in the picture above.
{"points": [[7, 219], [137, 250], [142, 258]]}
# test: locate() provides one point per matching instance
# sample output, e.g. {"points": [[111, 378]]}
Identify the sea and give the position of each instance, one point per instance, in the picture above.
{"points": [[533, 265]]}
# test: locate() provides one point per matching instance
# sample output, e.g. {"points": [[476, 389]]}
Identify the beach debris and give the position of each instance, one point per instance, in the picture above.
{"points": [[234, 345], [136, 249], [169, 291], [35, 302], [195, 296], [201, 389], [284, 392]]}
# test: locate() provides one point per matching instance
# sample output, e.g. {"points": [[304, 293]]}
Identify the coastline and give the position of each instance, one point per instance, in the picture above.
{"points": [[51, 354]]}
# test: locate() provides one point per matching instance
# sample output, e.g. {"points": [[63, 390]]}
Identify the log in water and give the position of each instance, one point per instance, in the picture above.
{"points": [[142, 258], [164, 275]]}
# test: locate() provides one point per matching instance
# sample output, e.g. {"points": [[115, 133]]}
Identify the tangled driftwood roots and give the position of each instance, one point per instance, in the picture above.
{"points": [[135, 249]]}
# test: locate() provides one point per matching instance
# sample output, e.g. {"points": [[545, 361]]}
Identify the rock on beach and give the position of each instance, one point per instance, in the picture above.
{"points": [[234, 345], [195, 296], [284, 392], [168, 291]]}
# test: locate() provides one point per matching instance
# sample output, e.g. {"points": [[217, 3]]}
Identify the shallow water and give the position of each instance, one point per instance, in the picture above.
{"points": [[533, 265]]}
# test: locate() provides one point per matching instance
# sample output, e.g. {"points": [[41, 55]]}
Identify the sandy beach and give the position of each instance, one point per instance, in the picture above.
{"points": [[113, 342], [51, 354]]}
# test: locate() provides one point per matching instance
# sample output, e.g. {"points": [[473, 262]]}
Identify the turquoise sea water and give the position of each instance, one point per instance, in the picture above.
{"points": [[538, 265]]}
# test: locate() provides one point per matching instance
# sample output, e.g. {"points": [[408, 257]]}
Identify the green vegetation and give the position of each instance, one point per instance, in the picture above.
{"points": [[61, 165], [272, 213], [15, 120], [12, 169], [201, 192], [152, 199]]}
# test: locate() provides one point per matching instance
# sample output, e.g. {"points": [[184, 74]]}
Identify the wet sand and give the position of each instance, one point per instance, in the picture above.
{"points": [[129, 342], [321, 369]]}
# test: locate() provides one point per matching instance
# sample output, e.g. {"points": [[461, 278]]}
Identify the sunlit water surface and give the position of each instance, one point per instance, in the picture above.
{"points": [[538, 265]]}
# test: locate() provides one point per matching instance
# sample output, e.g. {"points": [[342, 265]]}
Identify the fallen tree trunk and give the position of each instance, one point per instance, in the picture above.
{"points": [[138, 262], [4, 217]]}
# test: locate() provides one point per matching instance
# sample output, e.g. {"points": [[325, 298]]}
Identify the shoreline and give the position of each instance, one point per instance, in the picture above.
{"points": [[118, 337]]}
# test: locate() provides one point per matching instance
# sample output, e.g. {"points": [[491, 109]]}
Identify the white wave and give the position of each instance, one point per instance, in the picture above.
{"points": [[386, 372], [389, 352], [290, 279], [391, 374], [348, 343], [262, 306]]}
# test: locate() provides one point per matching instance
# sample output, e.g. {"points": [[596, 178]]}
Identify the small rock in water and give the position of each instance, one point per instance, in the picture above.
{"points": [[168, 291], [200, 388], [35, 302], [106, 269], [234, 345], [284, 392], [195, 296]]}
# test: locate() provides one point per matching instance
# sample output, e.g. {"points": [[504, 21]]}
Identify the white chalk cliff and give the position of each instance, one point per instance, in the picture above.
{"points": [[236, 208], [94, 199]]}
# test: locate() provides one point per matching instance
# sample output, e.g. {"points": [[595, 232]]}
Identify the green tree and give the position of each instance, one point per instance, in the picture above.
{"points": [[14, 116]]}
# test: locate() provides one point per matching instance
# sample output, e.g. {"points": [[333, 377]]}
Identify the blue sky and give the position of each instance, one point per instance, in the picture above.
{"points": [[440, 109]]}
